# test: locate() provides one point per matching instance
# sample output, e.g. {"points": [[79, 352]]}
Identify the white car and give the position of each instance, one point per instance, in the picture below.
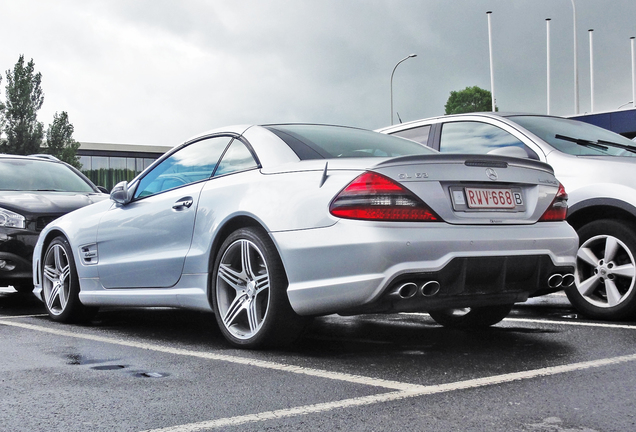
{"points": [[270, 225], [597, 168]]}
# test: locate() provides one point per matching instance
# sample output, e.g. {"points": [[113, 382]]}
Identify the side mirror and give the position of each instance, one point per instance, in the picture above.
{"points": [[121, 194]]}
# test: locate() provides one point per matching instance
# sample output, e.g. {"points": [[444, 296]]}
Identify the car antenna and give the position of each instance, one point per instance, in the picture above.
{"points": [[398, 116], [324, 175]]}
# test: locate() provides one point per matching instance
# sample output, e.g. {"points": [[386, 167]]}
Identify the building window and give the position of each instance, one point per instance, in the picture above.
{"points": [[108, 171]]}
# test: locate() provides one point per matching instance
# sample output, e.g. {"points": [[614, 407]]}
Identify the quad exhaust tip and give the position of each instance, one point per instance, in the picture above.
{"points": [[561, 280], [568, 280], [409, 290], [430, 288]]}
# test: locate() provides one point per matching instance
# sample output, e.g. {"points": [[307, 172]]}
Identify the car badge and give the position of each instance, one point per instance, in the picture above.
{"points": [[492, 174]]}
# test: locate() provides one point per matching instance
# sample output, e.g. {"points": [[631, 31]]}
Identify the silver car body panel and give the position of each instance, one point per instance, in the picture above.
{"points": [[146, 253], [586, 179]]}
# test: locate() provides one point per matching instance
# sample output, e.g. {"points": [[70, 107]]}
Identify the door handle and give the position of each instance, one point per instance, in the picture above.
{"points": [[183, 202]]}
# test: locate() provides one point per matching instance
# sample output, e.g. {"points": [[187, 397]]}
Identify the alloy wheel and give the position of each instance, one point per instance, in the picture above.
{"points": [[243, 289], [56, 283], [606, 271]]}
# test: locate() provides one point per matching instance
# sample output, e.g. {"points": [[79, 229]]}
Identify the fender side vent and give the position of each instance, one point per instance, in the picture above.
{"points": [[88, 254]]}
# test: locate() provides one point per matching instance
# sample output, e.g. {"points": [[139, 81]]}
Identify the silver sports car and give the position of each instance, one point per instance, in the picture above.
{"points": [[270, 225]]}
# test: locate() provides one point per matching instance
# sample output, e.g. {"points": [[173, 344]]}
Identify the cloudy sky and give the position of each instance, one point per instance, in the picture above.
{"points": [[159, 71]]}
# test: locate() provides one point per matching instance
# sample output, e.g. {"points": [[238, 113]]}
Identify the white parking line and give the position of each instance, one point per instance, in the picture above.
{"points": [[552, 322], [404, 390], [355, 379], [413, 391], [574, 323]]}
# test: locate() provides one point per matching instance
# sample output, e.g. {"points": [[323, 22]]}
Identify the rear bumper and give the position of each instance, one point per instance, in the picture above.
{"points": [[354, 266]]}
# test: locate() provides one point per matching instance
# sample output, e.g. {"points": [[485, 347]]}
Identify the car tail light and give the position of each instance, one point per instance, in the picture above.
{"points": [[558, 210], [372, 196]]}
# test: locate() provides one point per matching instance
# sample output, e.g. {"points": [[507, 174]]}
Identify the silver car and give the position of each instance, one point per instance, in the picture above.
{"points": [[271, 225], [595, 165]]}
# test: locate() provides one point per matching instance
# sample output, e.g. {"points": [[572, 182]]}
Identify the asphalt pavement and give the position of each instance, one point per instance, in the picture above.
{"points": [[545, 368]]}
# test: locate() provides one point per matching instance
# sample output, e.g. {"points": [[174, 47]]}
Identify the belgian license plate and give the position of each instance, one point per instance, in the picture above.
{"points": [[478, 198]]}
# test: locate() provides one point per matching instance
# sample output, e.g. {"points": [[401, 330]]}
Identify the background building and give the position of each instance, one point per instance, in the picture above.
{"points": [[621, 121], [108, 164]]}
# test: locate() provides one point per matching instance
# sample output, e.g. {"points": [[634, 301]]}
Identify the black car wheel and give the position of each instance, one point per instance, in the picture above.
{"points": [[249, 292], [605, 271], [476, 317], [60, 284]]}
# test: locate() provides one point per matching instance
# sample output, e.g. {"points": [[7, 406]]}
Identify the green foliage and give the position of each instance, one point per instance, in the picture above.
{"points": [[471, 99], [24, 98], [60, 142], [2, 120]]}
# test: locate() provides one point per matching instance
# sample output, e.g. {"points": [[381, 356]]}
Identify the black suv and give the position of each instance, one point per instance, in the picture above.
{"points": [[35, 190]]}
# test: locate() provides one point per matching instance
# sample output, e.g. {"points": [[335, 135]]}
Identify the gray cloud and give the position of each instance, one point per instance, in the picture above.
{"points": [[157, 72]]}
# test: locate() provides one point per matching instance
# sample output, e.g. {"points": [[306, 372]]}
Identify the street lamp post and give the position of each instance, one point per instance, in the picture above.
{"points": [[633, 74], [591, 32], [576, 63], [547, 26], [398, 63], [492, 73]]}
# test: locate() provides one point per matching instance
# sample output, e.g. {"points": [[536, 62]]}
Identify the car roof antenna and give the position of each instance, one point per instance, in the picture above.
{"points": [[398, 116], [324, 175]]}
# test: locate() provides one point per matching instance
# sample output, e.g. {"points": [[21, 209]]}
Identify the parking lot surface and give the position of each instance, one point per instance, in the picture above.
{"points": [[542, 369]]}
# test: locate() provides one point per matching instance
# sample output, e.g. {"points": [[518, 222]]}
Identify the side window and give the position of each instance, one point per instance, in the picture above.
{"points": [[192, 163], [479, 138], [236, 158], [418, 134]]}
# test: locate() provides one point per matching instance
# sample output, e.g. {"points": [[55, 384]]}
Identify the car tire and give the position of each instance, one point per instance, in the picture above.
{"points": [[60, 284], [475, 317], [605, 271], [249, 293]]}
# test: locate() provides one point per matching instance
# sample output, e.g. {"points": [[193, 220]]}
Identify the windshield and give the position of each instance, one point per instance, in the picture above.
{"points": [[40, 175], [575, 137], [327, 142]]}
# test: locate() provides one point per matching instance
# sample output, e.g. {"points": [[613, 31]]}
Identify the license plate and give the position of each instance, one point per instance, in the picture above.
{"points": [[478, 198]]}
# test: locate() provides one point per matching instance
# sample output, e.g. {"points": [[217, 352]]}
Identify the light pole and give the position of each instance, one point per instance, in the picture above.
{"points": [[591, 32], [398, 63], [547, 26], [633, 74], [576, 64], [492, 73]]}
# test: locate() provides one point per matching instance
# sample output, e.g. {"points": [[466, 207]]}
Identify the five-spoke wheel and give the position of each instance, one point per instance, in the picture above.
{"points": [[60, 285], [249, 292], [605, 271]]}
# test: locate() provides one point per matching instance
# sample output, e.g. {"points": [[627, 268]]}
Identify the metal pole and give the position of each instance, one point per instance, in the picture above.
{"points": [[591, 32], [633, 74], [576, 64], [547, 26], [492, 76], [398, 63]]}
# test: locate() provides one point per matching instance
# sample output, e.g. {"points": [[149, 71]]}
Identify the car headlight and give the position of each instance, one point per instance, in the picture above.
{"points": [[11, 219]]}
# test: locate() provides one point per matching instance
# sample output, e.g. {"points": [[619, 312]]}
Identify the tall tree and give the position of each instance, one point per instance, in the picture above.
{"points": [[60, 142], [24, 98], [2, 121], [471, 99]]}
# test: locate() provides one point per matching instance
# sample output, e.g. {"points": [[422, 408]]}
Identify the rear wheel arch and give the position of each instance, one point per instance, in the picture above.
{"points": [[581, 214], [224, 232]]}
